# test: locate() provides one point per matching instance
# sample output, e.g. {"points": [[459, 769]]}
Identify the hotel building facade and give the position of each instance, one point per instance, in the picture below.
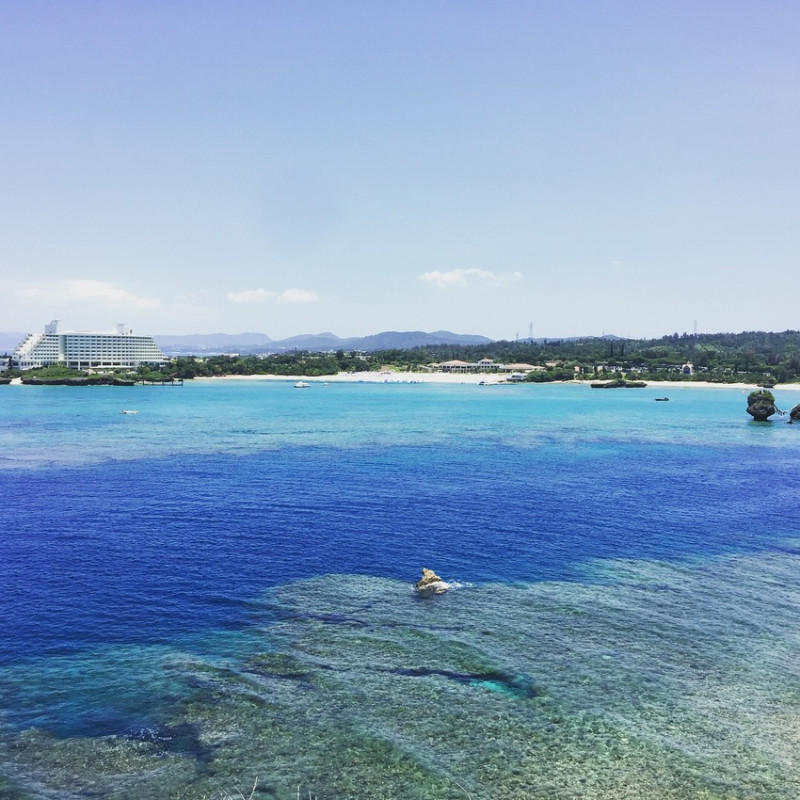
{"points": [[84, 350]]}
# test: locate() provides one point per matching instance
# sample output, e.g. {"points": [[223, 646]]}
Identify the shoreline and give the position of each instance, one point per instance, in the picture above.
{"points": [[473, 379], [463, 379]]}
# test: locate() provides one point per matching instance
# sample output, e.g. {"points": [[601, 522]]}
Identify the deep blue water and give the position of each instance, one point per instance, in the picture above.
{"points": [[118, 548]]}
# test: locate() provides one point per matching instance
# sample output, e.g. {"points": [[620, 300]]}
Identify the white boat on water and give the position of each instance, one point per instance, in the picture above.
{"points": [[301, 385], [128, 411]]}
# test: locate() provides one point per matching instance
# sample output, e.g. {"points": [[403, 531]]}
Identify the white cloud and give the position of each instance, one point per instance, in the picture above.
{"points": [[263, 295], [251, 296], [465, 277], [81, 292], [187, 299], [298, 296]]}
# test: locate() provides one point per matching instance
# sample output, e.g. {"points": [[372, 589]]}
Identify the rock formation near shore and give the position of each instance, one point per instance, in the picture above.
{"points": [[430, 583], [618, 383], [760, 405], [794, 414]]}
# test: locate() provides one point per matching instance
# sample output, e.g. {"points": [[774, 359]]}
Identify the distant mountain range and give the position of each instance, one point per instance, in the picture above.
{"points": [[214, 343], [211, 343], [198, 343]]}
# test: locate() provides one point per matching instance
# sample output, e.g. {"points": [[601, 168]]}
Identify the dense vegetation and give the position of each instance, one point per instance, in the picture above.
{"points": [[754, 357], [751, 357], [58, 374]]}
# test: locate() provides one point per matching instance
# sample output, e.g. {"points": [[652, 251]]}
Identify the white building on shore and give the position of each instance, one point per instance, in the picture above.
{"points": [[485, 365], [85, 350]]}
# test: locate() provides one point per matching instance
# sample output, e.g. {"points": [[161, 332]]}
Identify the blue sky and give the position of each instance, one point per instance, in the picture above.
{"points": [[293, 167]]}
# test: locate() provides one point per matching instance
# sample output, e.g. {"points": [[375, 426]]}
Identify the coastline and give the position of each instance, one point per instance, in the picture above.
{"points": [[474, 379], [465, 379], [370, 377]]}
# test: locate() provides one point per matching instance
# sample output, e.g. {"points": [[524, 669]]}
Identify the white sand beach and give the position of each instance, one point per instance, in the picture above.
{"points": [[473, 379], [373, 377], [387, 376]]}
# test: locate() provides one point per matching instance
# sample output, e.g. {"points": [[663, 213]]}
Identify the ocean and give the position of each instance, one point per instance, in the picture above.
{"points": [[213, 597]]}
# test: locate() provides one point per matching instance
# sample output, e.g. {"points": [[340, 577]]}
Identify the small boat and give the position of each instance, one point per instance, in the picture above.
{"points": [[301, 385], [128, 411], [662, 399]]}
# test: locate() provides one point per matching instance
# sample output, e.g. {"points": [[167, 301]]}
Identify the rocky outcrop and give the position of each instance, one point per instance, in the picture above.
{"points": [[618, 383], [761, 405], [430, 583], [93, 380], [794, 414]]}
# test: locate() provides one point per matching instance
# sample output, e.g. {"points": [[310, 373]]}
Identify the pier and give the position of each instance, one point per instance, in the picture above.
{"points": [[163, 382]]}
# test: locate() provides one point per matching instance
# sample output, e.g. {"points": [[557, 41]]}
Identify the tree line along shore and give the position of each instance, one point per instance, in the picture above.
{"points": [[750, 357]]}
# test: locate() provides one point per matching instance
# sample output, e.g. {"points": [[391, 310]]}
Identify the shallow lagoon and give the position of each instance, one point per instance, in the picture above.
{"points": [[217, 591]]}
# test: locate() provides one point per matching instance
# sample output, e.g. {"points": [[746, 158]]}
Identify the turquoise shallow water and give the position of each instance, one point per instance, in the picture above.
{"points": [[216, 592], [51, 426]]}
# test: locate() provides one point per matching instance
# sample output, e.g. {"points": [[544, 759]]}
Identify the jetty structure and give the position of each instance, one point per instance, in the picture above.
{"points": [[87, 350]]}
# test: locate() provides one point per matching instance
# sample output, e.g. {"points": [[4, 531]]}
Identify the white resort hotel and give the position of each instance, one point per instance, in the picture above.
{"points": [[84, 350]]}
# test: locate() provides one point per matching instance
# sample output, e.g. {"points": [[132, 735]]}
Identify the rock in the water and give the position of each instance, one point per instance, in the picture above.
{"points": [[430, 583], [618, 383], [794, 414], [760, 405]]}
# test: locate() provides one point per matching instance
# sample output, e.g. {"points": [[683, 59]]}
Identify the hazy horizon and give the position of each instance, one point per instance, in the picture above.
{"points": [[5, 336]]}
